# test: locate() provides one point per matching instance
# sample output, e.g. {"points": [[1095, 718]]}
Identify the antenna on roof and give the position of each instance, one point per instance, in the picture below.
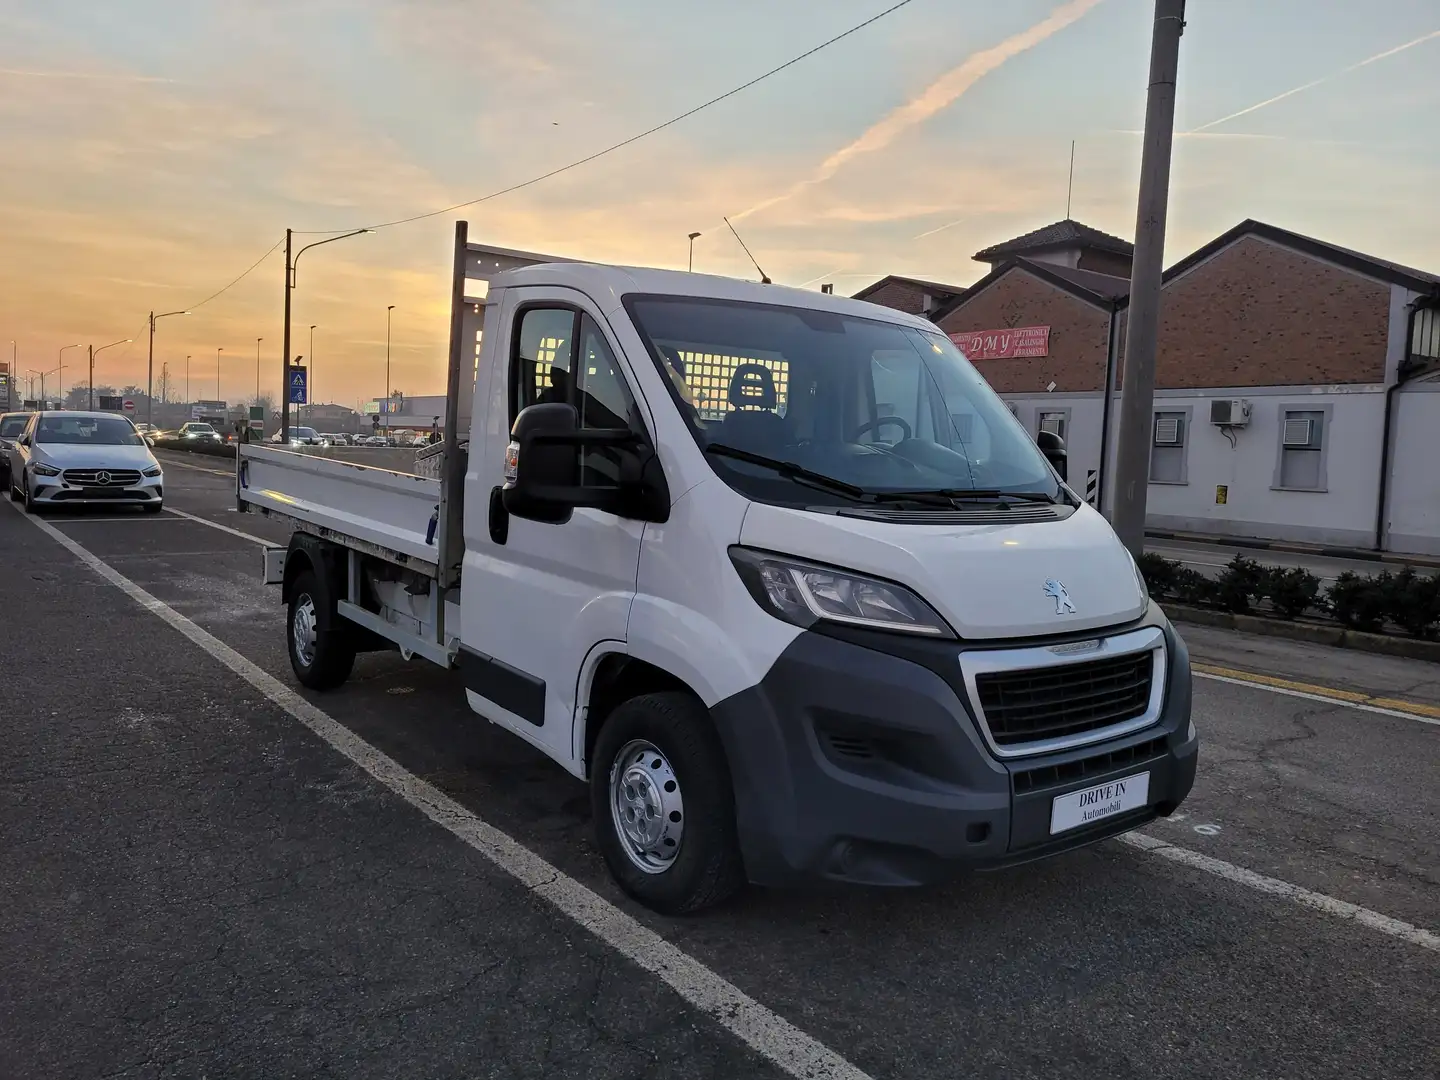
{"points": [[763, 279], [1070, 188]]}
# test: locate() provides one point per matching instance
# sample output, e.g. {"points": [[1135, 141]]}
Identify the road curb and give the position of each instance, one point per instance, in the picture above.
{"points": [[1316, 633], [1246, 543]]}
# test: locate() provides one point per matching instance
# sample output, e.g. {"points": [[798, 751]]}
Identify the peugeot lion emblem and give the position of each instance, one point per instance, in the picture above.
{"points": [[1056, 591], [102, 477]]}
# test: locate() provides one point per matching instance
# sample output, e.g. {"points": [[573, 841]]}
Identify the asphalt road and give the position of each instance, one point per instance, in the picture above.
{"points": [[193, 884]]}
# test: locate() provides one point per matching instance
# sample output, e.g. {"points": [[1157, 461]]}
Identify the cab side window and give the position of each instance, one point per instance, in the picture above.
{"points": [[561, 355]]}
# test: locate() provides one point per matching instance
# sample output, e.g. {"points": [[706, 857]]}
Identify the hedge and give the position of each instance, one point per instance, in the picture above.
{"points": [[1403, 599]]}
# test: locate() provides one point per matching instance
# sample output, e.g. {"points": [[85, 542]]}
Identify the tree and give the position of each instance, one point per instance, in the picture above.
{"points": [[163, 383]]}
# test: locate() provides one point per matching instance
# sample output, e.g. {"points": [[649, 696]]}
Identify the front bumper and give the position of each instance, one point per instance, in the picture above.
{"points": [[56, 491], [856, 765]]}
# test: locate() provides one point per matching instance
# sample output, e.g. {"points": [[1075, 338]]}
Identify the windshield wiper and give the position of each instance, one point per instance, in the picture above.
{"points": [[946, 496], [792, 471]]}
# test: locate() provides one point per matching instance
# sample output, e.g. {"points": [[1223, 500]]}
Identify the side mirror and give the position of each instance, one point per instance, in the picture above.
{"points": [[24, 440], [542, 465], [1053, 447]]}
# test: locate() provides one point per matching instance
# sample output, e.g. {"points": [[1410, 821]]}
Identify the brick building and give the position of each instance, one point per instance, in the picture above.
{"points": [[1329, 355]]}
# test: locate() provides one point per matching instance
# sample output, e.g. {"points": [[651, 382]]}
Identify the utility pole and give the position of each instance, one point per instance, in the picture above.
{"points": [[310, 385], [150, 367], [388, 310], [1137, 399]]}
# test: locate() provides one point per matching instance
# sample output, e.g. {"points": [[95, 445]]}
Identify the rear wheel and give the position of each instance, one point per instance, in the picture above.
{"points": [[322, 658], [663, 805]]}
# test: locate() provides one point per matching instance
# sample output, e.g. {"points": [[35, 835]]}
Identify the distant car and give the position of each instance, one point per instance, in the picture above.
{"points": [[337, 438], [12, 426], [301, 436], [198, 431], [78, 458], [375, 440]]}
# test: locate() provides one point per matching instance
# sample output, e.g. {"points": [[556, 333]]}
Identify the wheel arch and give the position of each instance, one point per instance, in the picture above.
{"points": [[612, 677]]}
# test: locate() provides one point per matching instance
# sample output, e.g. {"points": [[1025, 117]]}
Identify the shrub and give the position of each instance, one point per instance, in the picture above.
{"points": [[1159, 574], [1291, 591], [1242, 581], [1193, 587], [1359, 602], [1411, 601]]}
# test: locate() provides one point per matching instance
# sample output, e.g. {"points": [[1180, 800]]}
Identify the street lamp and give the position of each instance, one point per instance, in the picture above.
{"points": [[188, 398], [150, 367], [30, 374], [93, 351], [388, 310], [291, 278], [217, 373], [43, 376], [257, 369], [61, 369], [693, 237]]}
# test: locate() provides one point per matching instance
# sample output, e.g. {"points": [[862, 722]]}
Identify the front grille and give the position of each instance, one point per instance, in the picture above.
{"points": [[112, 494], [1056, 702], [115, 478]]}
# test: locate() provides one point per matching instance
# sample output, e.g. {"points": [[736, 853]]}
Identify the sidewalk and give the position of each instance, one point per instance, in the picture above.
{"points": [[1244, 543]]}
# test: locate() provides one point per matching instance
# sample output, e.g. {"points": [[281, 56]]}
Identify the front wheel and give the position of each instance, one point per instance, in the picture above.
{"points": [[663, 805], [27, 500], [153, 508], [322, 658]]}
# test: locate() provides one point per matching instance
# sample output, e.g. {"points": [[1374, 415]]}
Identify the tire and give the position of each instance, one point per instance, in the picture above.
{"points": [[706, 868], [330, 656], [29, 503]]}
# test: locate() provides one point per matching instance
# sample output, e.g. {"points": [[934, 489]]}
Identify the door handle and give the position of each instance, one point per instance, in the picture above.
{"points": [[499, 517]]}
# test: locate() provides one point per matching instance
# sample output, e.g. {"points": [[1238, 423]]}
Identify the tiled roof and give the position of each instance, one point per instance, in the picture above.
{"points": [[1067, 233], [938, 289], [1106, 285], [1419, 280]]}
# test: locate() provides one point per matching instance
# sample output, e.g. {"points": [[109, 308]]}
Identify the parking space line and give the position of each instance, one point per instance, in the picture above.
{"points": [[1342, 909], [167, 460], [1405, 710], [765, 1032], [223, 528]]}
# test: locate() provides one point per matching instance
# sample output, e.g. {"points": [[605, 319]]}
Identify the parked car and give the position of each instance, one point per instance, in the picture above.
{"points": [[302, 436], [70, 458], [337, 438], [374, 440], [12, 426]]}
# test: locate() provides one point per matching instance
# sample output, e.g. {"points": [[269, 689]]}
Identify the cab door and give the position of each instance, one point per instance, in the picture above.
{"points": [[538, 597]]}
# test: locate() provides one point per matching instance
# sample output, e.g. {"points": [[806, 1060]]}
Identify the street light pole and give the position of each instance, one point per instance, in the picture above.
{"points": [[693, 237], [93, 353], [150, 367], [1137, 398], [61, 369], [188, 398], [257, 369], [291, 279], [388, 310], [310, 387], [217, 373]]}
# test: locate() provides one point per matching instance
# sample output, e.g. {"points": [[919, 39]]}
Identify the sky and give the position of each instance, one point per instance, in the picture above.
{"points": [[152, 151]]}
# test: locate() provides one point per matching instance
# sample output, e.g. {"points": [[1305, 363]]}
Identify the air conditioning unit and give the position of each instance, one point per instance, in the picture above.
{"points": [[1230, 412]]}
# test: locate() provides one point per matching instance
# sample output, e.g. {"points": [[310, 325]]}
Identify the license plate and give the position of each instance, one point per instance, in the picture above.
{"points": [[1099, 802]]}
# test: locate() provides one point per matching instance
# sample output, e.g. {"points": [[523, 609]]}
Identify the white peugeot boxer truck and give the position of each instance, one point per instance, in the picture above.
{"points": [[775, 572]]}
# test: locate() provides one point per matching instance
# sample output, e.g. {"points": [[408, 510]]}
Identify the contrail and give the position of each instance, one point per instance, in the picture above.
{"points": [[939, 95], [1323, 79], [83, 75]]}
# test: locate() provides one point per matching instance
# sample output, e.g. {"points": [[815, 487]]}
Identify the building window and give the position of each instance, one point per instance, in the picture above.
{"points": [[1301, 462], [1169, 436]]}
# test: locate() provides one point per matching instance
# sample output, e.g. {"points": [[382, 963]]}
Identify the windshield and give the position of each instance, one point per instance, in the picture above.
{"points": [[305, 433], [13, 426], [88, 431], [200, 429], [878, 406]]}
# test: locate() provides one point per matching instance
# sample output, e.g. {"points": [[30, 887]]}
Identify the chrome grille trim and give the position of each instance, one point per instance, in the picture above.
{"points": [[1068, 654], [88, 478]]}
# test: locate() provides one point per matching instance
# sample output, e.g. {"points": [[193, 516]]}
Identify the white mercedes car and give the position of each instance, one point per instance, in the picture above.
{"points": [[79, 458]]}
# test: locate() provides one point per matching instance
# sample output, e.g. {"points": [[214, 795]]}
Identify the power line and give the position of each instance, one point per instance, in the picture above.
{"points": [[241, 278], [633, 138]]}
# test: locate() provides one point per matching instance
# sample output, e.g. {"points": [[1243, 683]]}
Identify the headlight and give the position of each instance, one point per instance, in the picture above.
{"points": [[804, 593], [154, 470], [45, 470]]}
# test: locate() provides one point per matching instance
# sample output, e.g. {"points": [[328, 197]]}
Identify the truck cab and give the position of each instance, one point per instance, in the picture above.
{"points": [[783, 580]]}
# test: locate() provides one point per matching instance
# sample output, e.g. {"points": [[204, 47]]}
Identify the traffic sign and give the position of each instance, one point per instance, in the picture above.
{"points": [[297, 385], [128, 405]]}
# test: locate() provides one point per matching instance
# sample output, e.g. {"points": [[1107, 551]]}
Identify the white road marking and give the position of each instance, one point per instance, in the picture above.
{"points": [[223, 528], [767, 1033], [108, 520], [1342, 909], [1320, 698]]}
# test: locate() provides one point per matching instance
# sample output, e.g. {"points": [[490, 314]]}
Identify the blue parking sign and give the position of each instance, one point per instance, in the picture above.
{"points": [[297, 386]]}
